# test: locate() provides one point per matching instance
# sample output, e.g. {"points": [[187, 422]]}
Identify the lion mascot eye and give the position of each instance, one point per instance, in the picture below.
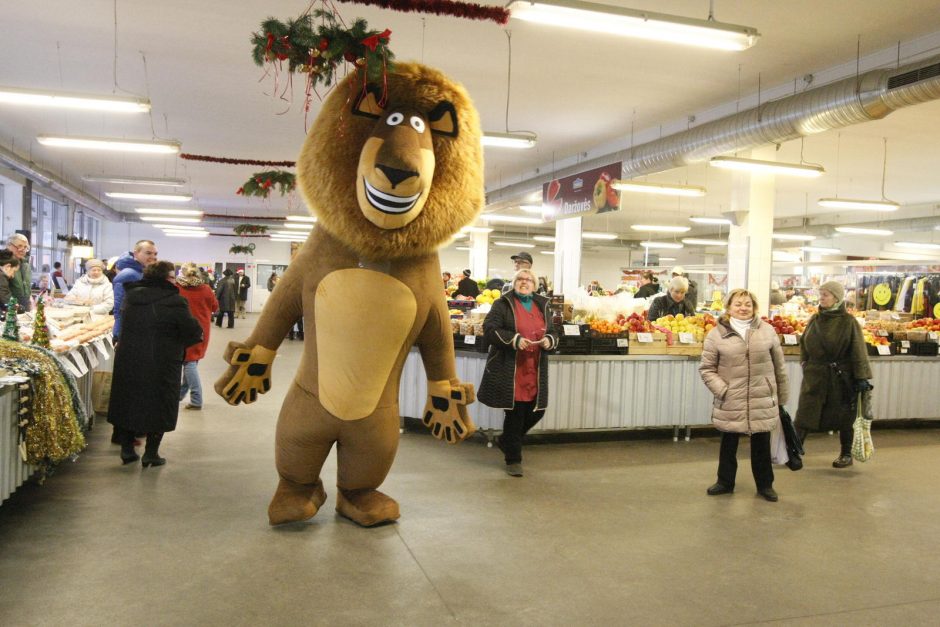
{"points": [[395, 119], [417, 123]]}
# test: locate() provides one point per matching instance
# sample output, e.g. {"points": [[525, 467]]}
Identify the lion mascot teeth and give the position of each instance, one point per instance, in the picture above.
{"points": [[391, 177]]}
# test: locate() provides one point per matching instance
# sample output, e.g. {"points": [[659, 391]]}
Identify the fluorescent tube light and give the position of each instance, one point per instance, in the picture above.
{"points": [[593, 235], [547, 252], [462, 248], [514, 244], [509, 140], [661, 228], [492, 217], [658, 188], [168, 212], [918, 245], [186, 233], [767, 167], [532, 209], [705, 220], [290, 234], [704, 242], [180, 227], [300, 226], [166, 219], [793, 237], [73, 100], [283, 238], [820, 249], [863, 205], [544, 238], [633, 23], [134, 180], [661, 245], [857, 230], [106, 143], [153, 197], [301, 219], [667, 258], [476, 229]]}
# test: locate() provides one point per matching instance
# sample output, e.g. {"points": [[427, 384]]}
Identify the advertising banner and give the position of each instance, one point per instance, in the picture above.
{"points": [[582, 194]]}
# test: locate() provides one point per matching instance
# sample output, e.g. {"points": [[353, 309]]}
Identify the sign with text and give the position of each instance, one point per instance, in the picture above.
{"points": [[582, 194]]}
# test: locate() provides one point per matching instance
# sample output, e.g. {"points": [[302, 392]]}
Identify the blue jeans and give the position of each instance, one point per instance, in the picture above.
{"points": [[191, 383]]}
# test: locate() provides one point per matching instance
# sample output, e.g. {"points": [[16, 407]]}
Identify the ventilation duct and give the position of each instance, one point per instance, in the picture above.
{"points": [[870, 96]]}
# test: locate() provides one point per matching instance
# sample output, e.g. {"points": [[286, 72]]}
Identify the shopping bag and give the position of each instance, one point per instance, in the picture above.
{"points": [[101, 392], [791, 437], [778, 446], [862, 445]]}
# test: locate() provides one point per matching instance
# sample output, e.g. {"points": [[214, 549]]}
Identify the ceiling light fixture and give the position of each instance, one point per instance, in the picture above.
{"points": [[106, 143], [509, 140], [704, 242], [492, 217], [153, 197], [476, 229], [167, 219], [862, 205], [186, 233], [767, 167], [634, 23], [544, 238], [179, 227], [820, 249], [793, 237], [667, 258], [301, 219], [918, 245], [595, 235], [547, 252], [659, 188], [706, 220], [462, 248], [661, 245], [168, 212], [857, 230], [514, 244], [283, 238], [134, 180], [73, 100], [661, 228], [290, 234], [300, 226]]}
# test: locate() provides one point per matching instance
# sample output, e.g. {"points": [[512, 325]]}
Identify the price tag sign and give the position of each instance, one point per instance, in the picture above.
{"points": [[644, 337], [622, 342], [469, 339], [905, 344], [790, 340], [572, 329], [881, 333], [932, 336], [686, 338], [895, 316], [884, 349]]}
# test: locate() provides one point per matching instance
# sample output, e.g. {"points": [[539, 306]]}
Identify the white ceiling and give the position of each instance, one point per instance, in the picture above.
{"points": [[576, 90]]}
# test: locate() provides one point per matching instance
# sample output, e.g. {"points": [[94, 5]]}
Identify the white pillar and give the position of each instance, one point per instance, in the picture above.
{"points": [[567, 255], [750, 245], [479, 254]]}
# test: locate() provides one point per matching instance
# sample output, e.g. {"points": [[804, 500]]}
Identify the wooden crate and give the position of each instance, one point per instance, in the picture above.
{"points": [[656, 347]]}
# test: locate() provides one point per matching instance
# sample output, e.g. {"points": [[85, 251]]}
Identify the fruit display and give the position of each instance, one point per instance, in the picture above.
{"points": [[786, 325], [924, 324], [874, 340], [698, 325], [636, 323], [488, 297], [606, 327]]}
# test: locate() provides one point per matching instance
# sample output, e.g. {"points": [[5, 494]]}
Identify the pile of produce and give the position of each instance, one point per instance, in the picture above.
{"points": [[488, 297], [786, 325], [873, 339], [698, 325]]}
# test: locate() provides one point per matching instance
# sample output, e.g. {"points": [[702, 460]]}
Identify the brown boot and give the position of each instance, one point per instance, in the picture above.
{"points": [[294, 502], [366, 507]]}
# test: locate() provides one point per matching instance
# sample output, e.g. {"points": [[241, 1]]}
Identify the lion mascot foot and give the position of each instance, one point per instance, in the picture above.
{"points": [[294, 502], [366, 507]]}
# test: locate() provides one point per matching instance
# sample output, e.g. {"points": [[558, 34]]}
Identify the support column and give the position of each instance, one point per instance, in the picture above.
{"points": [[479, 254], [750, 245], [567, 255]]}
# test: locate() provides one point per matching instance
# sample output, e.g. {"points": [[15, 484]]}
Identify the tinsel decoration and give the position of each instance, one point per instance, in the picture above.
{"points": [[234, 161], [261, 183], [74, 240], [40, 328], [243, 229], [238, 249], [463, 10], [11, 326], [52, 425]]}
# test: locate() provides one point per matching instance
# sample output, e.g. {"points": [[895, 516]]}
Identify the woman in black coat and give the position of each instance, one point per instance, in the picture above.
{"points": [[519, 331], [156, 328]]}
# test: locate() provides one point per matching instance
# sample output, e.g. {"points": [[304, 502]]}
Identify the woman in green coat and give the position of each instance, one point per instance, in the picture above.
{"points": [[835, 371]]}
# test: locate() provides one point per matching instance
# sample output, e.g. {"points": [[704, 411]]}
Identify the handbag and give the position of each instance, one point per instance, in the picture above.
{"points": [[794, 445], [862, 445]]}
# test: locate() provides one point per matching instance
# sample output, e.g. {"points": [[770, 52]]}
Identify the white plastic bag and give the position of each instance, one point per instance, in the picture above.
{"points": [[862, 445], [778, 445]]}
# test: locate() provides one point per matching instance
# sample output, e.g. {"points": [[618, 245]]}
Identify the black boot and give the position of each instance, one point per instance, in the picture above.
{"points": [[290, 335], [128, 454], [300, 335], [151, 458]]}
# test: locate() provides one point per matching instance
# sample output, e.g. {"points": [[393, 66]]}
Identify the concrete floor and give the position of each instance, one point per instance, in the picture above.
{"points": [[611, 533]]}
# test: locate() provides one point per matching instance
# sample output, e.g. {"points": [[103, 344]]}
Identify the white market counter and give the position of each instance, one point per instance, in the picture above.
{"points": [[604, 392]]}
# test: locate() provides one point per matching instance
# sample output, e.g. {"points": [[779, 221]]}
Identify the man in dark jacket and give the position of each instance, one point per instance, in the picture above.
{"points": [[242, 283], [673, 302], [225, 293], [130, 269], [148, 362]]}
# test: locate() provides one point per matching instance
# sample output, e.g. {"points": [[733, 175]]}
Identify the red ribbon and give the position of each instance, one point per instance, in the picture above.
{"points": [[372, 41]]}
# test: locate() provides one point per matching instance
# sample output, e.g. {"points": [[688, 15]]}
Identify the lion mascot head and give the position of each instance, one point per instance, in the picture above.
{"points": [[396, 172]]}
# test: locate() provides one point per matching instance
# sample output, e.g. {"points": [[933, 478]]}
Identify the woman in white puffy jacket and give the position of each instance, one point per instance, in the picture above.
{"points": [[92, 289]]}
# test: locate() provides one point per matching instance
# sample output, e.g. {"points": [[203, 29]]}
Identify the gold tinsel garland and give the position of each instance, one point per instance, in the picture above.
{"points": [[53, 435]]}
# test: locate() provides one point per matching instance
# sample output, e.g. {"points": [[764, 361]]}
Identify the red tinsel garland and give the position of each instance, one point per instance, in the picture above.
{"points": [[465, 10], [229, 160]]}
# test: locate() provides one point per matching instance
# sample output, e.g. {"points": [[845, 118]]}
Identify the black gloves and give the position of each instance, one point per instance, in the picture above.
{"points": [[862, 385]]}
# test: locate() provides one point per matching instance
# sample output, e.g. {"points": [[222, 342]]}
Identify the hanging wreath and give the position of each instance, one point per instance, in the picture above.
{"points": [[318, 51], [238, 249], [74, 240], [260, 183], [243, 229]]}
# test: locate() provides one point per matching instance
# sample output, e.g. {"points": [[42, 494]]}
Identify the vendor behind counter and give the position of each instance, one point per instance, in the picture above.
{"points": [[673, 302]]}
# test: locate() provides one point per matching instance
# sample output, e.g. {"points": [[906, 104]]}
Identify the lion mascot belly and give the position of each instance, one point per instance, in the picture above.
{"points": [[391, 177]]}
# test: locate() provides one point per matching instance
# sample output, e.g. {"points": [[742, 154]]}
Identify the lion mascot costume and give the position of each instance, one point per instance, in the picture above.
{"points": [[391, 175]]}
